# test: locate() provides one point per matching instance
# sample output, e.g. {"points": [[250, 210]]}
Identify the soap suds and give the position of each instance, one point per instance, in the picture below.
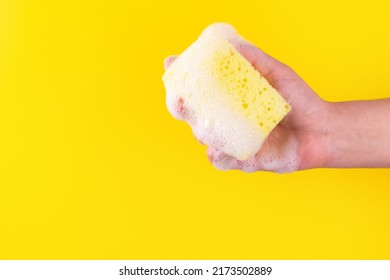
{"points": [[282, 158]]}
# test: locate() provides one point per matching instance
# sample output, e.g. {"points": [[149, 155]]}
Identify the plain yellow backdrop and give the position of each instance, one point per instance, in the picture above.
{"points": [[92, 166]]}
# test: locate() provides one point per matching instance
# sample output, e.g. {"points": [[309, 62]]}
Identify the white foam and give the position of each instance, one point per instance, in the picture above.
{"points": [[282, 158]]}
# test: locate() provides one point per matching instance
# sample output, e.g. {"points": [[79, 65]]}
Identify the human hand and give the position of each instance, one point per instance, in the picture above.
{"points": [[294, 143], [315, 133]]}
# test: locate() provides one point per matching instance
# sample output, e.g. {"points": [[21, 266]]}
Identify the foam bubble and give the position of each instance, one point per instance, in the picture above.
{"points": [[281, 158]]}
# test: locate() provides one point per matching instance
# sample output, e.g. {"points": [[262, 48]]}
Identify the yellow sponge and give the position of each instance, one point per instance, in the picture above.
{"points": [[228, 104]]}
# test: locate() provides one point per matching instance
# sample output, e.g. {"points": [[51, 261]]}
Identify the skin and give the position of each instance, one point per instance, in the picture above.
{"points": [[316, 133]]}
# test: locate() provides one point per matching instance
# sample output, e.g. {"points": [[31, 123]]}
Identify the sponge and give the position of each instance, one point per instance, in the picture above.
{"points": [[225, 100]]}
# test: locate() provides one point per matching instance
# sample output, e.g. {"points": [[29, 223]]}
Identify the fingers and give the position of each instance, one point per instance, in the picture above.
{"points": [[168, 61], [276, 155], [221, 160]]}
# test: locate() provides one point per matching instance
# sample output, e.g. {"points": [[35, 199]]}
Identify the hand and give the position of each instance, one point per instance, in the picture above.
{"points": [[315, 133], [296, 138]]}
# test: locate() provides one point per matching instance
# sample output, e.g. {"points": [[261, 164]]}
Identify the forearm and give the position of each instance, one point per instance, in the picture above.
{"points": [[358, 134]]}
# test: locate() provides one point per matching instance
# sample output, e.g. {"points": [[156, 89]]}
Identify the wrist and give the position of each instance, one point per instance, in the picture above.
{"points": [[357, 134], [316, 150], [333, 140]]}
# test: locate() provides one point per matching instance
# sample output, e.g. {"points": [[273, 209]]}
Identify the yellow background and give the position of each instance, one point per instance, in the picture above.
{"points": [[92, 166]]}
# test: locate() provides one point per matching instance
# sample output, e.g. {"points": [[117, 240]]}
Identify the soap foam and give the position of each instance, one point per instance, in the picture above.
{"points": [[281, 159]]}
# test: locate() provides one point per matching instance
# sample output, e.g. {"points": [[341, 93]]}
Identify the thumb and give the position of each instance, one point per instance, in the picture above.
{"points": [[269, 67]]}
